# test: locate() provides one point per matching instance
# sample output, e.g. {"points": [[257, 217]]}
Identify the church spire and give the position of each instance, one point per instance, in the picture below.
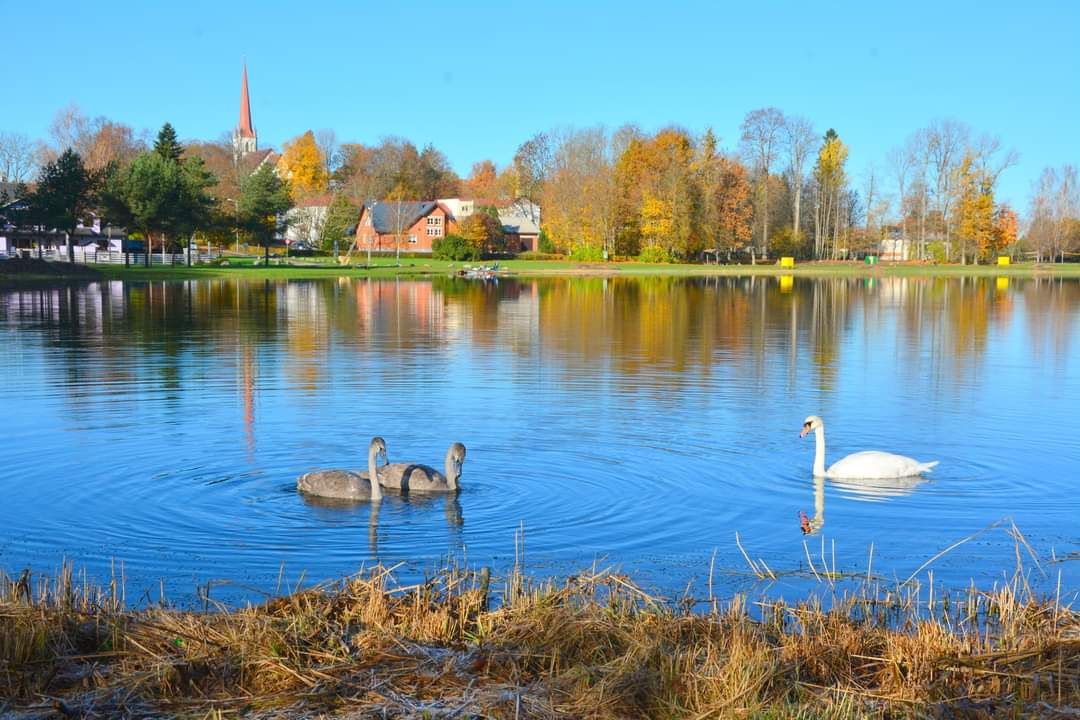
{"points": [[245, 108], [244, 139]]}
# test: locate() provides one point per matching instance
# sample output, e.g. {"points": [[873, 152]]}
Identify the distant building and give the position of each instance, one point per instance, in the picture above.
{"points": [[521, 223], [459, 209], [895, 247], [304, 221], [417, 224]]}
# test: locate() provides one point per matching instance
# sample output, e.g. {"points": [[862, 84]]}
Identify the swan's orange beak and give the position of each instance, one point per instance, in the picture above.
{"points": [[805, 430]]}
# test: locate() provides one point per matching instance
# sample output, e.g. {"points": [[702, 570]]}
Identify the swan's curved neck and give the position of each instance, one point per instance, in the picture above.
{"points": [[373, 475], [451, 469], [819, 451]]}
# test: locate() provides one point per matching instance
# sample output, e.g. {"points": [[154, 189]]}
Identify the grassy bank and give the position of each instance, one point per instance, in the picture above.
{"points": [[302, 269], [594, 646]]}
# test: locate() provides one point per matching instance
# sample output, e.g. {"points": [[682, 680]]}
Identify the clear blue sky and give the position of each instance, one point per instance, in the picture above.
{"points": [[476, 79]]}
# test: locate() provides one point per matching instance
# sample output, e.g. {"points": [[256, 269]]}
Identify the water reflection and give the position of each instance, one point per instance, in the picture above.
{"points": [[622, 324]]}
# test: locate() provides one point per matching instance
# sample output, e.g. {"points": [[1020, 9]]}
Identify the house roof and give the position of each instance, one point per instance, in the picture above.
{"points": [[317, 201], [515, 220], [386, 215]]}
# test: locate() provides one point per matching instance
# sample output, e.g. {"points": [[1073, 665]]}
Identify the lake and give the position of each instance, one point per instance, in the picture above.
{"points": [[637, 423]]}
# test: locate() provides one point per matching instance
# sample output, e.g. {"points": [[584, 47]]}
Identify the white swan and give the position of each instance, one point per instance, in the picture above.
{"points": [[870, 464], [346, 484], [413, 477]]}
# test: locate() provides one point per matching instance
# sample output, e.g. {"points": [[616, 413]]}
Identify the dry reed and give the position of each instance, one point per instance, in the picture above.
{"points": [[592, 646]]}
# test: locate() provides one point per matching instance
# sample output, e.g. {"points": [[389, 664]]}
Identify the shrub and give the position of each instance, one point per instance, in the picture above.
{"points": [[544, 243], [937, 252], [787, 242], [585, 253], [655, 254], [453, 247]]}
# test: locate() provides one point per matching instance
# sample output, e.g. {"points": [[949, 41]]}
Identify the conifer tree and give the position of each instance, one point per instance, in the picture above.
{"points": [[65, 193], [167, 145]]}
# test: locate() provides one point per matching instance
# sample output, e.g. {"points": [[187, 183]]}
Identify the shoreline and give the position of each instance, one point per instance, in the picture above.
{"points": [[421, 268], [594, 645]]}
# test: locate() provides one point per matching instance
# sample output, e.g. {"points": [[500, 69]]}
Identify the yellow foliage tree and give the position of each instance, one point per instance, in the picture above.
{"points": [[657, 221], [303, 166], [975, 214]]}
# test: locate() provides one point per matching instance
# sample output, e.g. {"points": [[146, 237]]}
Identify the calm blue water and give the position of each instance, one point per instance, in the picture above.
{"points": [[635, 423]]}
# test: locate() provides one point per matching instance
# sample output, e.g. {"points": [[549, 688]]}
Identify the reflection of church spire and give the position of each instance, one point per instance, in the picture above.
{"points": [[244, 138], [249, 400]]}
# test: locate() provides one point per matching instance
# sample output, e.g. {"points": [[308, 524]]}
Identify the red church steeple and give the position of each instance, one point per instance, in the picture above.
{"points": [[245, 129], [244, 139]]}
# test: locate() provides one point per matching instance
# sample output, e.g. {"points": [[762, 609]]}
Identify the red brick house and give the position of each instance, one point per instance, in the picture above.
{"points": [[418, 224]]}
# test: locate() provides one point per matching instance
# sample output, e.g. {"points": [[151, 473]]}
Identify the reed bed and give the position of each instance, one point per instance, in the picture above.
{"points": [[465, 645]]}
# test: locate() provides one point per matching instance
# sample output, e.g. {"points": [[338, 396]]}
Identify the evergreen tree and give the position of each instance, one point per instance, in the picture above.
{"points": [[151, 191], [65, 193], [167, 145], [339, 216], [263, 198], [157, 196]]}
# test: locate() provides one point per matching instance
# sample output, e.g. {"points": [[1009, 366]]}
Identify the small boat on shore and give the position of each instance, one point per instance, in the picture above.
{"points": [[479, 272]]}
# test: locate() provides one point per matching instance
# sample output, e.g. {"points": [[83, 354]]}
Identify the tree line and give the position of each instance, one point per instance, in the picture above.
{"points": [[781, 187]]}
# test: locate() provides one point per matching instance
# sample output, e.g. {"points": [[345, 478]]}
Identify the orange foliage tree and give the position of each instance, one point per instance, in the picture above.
{"points": [[1005, 228]]}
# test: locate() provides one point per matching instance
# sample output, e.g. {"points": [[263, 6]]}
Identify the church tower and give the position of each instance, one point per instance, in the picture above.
{"points": [[244, 139]]}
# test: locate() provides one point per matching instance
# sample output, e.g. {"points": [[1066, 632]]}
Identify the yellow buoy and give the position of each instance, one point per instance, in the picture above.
{"points": [[787, 262], [1004, 260]]}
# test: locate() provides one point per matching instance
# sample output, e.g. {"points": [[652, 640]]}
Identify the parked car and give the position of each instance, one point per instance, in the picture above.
{"points": [[301, 247]]}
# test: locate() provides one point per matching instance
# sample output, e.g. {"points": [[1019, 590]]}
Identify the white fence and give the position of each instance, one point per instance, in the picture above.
{"points": [[93, 256]]}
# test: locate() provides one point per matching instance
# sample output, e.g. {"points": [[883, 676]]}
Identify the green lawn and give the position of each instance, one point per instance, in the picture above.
{"points": [[306, 268]]}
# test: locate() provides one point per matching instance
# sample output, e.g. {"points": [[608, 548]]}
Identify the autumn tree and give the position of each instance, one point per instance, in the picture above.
{"points": [[975, 211], [762, 135], [18, 157], [482, 230], [798, 141], [326, 140], [735, 211], [1006, 226], [532, 163], [373, 173], [1054, 213], [303, 165], [830, 180], [98, 141], [483, 182]]}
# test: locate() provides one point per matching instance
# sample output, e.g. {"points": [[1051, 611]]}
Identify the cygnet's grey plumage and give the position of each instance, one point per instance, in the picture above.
{"points": [[346, 484], [414, 477]]}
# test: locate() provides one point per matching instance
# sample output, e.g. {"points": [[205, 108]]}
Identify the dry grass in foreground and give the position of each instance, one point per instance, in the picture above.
{"points": [[594, 646]]}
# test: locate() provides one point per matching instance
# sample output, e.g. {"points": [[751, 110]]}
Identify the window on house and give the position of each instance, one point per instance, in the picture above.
{"points": [[434, 220], [434, 232], [412, 239]]}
